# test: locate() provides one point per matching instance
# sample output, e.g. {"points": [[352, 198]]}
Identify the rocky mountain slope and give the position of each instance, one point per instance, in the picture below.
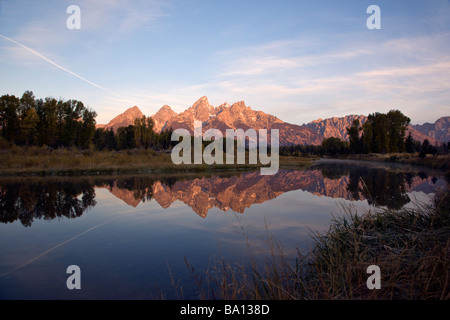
{"points": [[161, 118], [336, 127], [240, 116], [123, 119], [440, 130]]}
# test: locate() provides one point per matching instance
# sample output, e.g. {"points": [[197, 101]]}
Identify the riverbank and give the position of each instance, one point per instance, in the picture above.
{"points": [[441, 162], [411, 247], [49, 162], [44, 161]]}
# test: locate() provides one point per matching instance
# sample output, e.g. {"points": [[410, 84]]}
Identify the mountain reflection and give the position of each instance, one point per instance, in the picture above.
{"points": [[43, 198]]}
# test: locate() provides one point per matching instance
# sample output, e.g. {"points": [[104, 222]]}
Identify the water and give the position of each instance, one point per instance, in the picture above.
{"points": [[132, 235]]}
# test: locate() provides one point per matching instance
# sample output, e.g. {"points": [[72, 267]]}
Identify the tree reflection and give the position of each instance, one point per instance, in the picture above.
{"points": [[384, 188], [44, 200], [378, 185], [29, 199], [48, 199]]}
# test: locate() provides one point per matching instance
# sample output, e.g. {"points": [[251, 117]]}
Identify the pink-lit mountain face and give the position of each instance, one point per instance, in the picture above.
{"points": [[240, 116], [123, 120]]}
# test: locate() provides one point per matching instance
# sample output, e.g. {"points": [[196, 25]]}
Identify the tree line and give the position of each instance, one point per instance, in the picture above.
{"points": [[29, 121], [139, 135], [386, 133], [381, 133]]}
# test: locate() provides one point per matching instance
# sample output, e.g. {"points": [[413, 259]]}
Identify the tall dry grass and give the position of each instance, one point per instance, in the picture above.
{"points": [[411, 246], [46, 161]]}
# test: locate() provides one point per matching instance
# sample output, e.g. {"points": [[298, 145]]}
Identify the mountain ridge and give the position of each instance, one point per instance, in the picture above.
{"points": [[123, 120], [240, 116], [438, 130]]}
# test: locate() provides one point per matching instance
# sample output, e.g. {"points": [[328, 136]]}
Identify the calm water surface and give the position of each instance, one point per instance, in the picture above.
{"points": [[131, 235]]}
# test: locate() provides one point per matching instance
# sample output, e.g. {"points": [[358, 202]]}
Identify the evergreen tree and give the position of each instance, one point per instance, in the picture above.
{"points": [[110, 140], [125, 137], [98, 140], [354, 136], [9, 119], [334, 146], [425, 148], [409, 144]]}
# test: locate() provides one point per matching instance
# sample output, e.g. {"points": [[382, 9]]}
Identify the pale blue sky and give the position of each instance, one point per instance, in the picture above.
{"points": [[298, 60]]}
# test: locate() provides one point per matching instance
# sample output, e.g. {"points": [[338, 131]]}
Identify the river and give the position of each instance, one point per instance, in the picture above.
{"points": [[131, 236]]}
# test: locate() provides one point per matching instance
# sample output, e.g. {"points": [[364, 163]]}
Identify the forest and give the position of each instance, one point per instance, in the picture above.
{"points": [[31, 121]]}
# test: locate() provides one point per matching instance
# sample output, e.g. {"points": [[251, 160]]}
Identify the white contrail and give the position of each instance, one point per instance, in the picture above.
{"points": [[53, 248], [58, 66]]}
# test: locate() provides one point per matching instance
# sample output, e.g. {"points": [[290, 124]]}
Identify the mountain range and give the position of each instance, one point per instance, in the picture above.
{"points": [[240, 116]]}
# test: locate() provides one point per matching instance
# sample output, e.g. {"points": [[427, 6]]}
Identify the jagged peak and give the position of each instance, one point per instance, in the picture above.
{"points": [[239, 105], [201, 101], [166, 108], [135, 108], [123, 119], [224, 105], [130, 112], [350, 116]]}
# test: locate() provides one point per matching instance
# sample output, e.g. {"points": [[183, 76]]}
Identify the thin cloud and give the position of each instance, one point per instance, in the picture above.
{"points": [[59, 66], [409, 71]]}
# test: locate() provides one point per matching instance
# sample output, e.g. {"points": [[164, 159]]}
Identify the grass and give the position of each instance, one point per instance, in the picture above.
{"points": [[411, 247], [45, 161]]}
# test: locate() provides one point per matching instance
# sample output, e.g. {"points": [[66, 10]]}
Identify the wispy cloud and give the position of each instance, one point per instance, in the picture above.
{"points": [[359, 74], [351, 78], [430, 69], [43, 41], [58, 66], [154, 53], [119, 18]]}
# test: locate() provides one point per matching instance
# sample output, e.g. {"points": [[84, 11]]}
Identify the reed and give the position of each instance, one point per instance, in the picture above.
{"points": [[411, 246]]}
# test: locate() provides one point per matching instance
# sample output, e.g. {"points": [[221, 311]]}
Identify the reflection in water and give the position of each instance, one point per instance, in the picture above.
{"points": [[43, 199], [26, 200], [379, 187]]}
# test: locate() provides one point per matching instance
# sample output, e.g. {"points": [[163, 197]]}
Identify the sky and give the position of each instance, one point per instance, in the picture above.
{"points": [[298, 60]]}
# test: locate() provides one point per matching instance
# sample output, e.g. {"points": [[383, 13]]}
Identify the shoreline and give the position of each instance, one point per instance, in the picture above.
{"points": [[37, 161], [440, 162], [40, 161]]}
